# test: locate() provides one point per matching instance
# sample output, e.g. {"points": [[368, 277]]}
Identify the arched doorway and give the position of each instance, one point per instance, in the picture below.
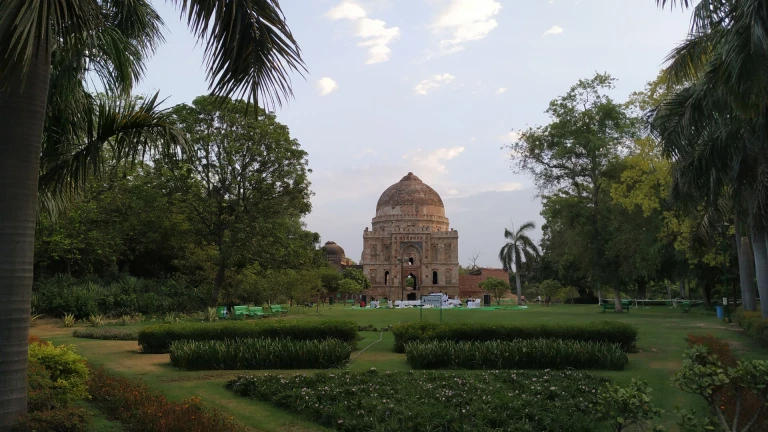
{"points": [[434, 277], [386, 277]]}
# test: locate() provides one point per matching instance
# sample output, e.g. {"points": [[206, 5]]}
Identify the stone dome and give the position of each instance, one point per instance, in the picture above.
{"points": [[331, 248], [410, 196]]}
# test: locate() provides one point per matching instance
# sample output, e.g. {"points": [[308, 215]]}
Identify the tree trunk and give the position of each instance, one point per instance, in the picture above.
{"points": [[517, 283], [617, 298], [708, 292], [669, 290], [642, 289], [22, 117], [682, 288], [218, 282], [761, 269], [747, 275]]}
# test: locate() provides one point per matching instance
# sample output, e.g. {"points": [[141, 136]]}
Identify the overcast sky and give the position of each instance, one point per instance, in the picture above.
{"points": [[434, 87]]}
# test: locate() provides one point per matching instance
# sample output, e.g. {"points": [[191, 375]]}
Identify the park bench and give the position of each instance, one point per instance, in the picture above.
{"points": [[686, 306], [256, 311], [221, 312], [607, 306], [625, 304], [240, 311], [278, 310]]}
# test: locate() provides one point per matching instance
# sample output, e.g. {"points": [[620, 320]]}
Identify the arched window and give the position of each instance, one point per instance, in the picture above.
{"points": [[434, 277], [410, 261], [386, 277]]}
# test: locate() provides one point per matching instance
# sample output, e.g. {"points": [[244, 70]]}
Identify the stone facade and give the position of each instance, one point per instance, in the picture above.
{"points": [[410, 236]]}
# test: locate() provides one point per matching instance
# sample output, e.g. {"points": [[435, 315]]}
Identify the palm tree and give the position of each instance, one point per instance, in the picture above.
{"points": [[519, 248], [715, 128], [47, 48]]}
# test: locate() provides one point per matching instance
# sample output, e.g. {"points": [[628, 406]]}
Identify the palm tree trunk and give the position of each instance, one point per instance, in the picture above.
{"points": [[669, 290], [517, 282], [746, 274], [682, 288], [761, 269], [22, 117]]}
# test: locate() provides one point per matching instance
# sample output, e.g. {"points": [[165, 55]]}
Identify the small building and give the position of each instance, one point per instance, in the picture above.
{"points": [[470, 283], [334, 254]]}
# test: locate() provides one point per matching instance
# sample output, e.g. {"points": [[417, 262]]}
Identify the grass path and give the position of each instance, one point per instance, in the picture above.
{"points": [[661, 343]]}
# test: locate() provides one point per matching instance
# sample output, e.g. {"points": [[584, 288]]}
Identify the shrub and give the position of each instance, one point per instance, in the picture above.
{"points": [[433, 401], [719, 348], [96, 320], [703, 374], [69, 320], [124, 320], [66, 368], [70, 419], [260, 354], [626, 407], [158, 338], [106, 334], [211, 314], [518, 354], [143, 410], [612, 332], [753, 324]]}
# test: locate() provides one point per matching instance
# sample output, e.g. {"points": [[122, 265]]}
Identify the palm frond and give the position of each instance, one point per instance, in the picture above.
{"points": [[526, 226], [115, 129], [249, 49]]}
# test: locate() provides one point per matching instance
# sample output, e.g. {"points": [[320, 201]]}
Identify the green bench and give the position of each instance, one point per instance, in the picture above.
{"points": [[625, 304], [686, 306], [221, 312], [278, 310], [257, 311], [240, 311]]}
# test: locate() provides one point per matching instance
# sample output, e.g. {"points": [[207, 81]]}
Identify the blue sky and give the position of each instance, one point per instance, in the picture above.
{"points": [[434, 87]]}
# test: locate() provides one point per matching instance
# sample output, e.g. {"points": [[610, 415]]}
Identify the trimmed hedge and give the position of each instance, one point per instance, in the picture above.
{"points": [[753, 324], [105, 334], [518, 354], [158, 338], [260, 354], [613, 332]]}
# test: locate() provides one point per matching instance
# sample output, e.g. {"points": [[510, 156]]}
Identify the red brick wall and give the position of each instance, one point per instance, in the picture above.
{"points": [[469, 285]]}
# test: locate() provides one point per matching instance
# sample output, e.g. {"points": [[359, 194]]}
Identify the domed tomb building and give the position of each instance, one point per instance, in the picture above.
{"points": [[410, 238]]}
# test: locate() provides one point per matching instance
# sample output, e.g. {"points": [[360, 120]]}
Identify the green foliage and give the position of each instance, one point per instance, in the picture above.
{"points": [[124, 320], [626, 407], [516, 354], [106, 334], [692, 421], [69, 320], [211, 314], [357, 276], [66, 368], [753, 324], [234, 354], [158, 339], [611, 332], [703, 374], [69, 419], [496, 287], [546, 401], [96, 320]]}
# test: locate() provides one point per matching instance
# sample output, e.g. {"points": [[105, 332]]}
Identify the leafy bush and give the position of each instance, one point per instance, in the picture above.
{"points": [[626, 407], [96, 320], [69, 419], [106, 334], [260, 354], [158, 338], [612, 332], [518, 354], [433, 401], [140, 409], [69, 320], [703, 374], [717, 347], [66, 368], [753, 324]]}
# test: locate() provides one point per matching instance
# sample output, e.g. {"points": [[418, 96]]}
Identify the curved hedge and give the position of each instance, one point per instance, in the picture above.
{"points": [[613, 332], [158, 338], [236, 354], [518, 354]]}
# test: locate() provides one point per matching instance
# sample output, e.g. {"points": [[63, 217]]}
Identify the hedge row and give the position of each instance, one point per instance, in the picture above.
{"points": [[158, 338], [518, 354], [753, 324], [612, 332], [238, 354], [105, 334]]}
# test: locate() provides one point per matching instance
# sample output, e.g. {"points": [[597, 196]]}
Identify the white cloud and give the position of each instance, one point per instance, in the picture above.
{"points": [[436, 81], [507, 186], [374, 32], [326, 86], [346, 10], [452, 192], [465, 21], [429, 166], [509, 137], [501, 90], [554, 30], [473, 139], [366, 152]]}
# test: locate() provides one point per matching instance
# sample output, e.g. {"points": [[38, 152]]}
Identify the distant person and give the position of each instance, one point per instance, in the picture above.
{"points": [[538, 299], [523, 300]]}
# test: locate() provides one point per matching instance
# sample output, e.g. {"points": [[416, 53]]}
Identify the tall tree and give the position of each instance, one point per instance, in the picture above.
{"points": [[571, 156], [249, 50], [519, 248], [244, 174]]}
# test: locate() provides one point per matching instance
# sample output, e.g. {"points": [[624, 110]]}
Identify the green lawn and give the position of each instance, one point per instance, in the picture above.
{"points": [[662, 341]]}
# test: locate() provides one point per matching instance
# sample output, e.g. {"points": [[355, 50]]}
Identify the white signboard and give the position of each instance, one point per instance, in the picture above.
{"points": [[725, 300], [433, 300]]}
